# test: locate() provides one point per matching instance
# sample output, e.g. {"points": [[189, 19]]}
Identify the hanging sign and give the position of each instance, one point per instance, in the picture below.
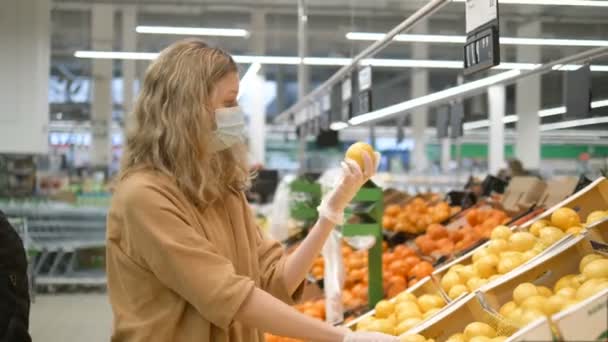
{"points": [[347, 107], [336, 104], [482, 48], [443, 122], [325, 112], [456, 119], [365, 90]]}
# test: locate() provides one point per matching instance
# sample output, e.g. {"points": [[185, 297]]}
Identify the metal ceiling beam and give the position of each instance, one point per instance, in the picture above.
{"points": [[369, 52]]}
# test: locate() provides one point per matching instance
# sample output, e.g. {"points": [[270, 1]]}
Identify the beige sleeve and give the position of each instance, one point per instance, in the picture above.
{"points": [[272, 263], [181, 258]]}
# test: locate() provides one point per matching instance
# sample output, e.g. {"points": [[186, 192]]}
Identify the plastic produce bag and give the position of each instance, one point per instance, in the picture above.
{"points": [[333, 278], [279, 219]]}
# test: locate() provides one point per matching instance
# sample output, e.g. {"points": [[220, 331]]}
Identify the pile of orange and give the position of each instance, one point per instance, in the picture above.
{"points": [[415, 216], [483, 221], [479, 224], [437, 241], [314, 309], [401, 268], [273, 338]]}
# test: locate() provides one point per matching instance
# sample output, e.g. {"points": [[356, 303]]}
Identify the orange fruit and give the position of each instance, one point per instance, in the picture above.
{"points": [[565, 218], [356, 150], [389, 222], [392, 210], [421, 270]]}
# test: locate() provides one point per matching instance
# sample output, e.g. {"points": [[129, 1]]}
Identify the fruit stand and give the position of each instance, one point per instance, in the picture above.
{"points": [[484, 273]]}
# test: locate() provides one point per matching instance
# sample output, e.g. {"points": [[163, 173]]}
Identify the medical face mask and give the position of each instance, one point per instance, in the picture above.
{"points": [[230, 130]]}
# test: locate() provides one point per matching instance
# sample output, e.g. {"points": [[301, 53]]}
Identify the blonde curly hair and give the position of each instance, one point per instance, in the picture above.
{"points": [[172, 124]]}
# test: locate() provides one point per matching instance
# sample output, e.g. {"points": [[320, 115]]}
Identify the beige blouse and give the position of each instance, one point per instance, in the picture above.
{"points": [[179, 274]]}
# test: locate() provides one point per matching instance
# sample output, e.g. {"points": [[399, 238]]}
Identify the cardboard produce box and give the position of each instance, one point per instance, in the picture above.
{"points": [[539, 330], [586, 321], [558, 190], [544, 271], [425, 286], [522, 193], [457, 315], [591, 198], [467, 259]]}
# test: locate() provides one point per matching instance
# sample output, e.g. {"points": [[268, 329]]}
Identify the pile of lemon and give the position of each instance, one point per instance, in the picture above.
{"points": [[398, 316], [531, 302]]}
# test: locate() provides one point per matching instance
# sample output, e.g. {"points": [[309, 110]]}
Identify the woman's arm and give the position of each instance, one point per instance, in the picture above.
{"points": [[266, 313], [300, 261]]}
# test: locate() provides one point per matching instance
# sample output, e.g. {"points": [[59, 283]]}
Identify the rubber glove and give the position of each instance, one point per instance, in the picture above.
{"points": [[333, 205], [369, 337]]}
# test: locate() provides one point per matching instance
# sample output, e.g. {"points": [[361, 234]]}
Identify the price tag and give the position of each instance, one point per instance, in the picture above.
{"points": [[365, 78], [480, 13], [482, 48], [346, 90]]}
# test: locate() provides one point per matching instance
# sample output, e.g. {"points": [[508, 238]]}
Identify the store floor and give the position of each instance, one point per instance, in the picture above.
{"points": [[71, 318]]}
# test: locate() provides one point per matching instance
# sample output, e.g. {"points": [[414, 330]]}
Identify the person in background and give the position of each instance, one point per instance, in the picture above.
{"points": [[185, 261]]}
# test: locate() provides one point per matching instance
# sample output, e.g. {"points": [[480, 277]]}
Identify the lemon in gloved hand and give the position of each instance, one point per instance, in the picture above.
{"points": [[356, 151]]}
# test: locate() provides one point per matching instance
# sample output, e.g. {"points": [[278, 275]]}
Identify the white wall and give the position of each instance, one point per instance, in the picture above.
{"points": [[24, 75]]}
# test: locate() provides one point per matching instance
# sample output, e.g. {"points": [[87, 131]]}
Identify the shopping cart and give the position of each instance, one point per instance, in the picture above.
{"points": [[65, 243]]}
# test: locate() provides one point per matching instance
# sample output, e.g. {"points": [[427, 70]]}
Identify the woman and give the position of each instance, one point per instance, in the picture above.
{"points": [[185, 259]]}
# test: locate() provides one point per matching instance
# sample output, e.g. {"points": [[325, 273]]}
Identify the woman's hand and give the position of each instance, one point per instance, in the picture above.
{"points": [[351, 181], [331, 212], [369, 337]]}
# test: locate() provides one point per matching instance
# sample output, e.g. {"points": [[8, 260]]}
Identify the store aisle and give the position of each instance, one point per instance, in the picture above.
{"points": [[71, 318]]}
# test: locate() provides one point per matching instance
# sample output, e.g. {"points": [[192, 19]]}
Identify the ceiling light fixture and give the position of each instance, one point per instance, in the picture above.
{"points": [[116, 55], [467, 126], [334, 61], [192, 31], [337, 126], [580, 3], [443, 95], [453, 39], [267, 59], [573, 123]]}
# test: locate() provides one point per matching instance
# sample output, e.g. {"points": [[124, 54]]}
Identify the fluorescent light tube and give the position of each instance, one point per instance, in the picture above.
{"points": [[573, 123], [193, 31], [552, 111], [267, 59], [116, 55], [440, 95], [337, 126], [332, 61], [542, 113], [596, 104], [581, 3]]}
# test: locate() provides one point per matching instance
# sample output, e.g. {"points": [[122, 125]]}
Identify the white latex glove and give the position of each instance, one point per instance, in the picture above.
{"points": [[333, 205], [369, 337]]}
